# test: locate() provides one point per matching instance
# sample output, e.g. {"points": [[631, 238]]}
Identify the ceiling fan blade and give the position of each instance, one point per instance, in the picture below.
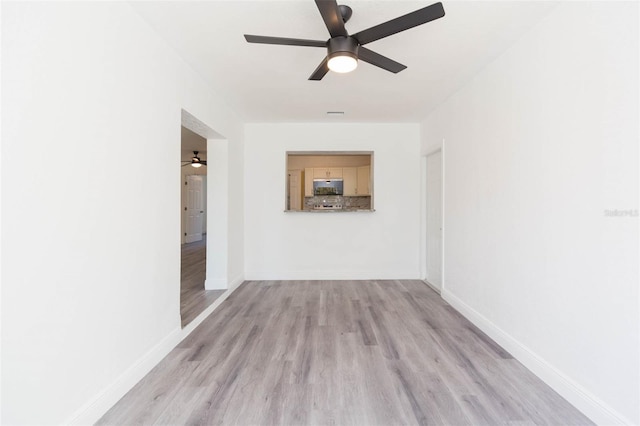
{"points": [[332, 17], [379, 61], [284, 41], [321, 71], [410, 20]]}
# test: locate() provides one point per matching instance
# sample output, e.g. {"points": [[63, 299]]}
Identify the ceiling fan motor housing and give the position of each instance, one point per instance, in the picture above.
{"points": [[345, 12], [342, 46]]}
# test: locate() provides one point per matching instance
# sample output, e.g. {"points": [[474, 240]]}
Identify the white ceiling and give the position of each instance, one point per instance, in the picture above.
{"points": [[265, 83], [190, 142]]}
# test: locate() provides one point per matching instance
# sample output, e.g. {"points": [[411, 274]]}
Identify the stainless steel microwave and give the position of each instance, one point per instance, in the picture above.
{"points": [[327, 186]]}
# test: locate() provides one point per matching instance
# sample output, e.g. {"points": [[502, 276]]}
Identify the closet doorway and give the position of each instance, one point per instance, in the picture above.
{"points": [[434, 219]]}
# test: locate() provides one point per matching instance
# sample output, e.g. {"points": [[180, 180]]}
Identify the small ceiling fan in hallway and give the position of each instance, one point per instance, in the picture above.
{"points": [[344, 50], [195, 161]]}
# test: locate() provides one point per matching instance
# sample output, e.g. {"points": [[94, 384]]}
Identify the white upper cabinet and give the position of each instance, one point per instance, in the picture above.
{"points": [[350, 181], [364, 180], [327, 173]]}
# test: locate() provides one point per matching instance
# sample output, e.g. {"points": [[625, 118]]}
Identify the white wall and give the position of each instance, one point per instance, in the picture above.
{"points": [[298, 245], [538, 146], [91, 255], [219, 276]]}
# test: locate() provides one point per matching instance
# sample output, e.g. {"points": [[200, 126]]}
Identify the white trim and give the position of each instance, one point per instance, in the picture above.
{"points": [[594, 408], [209, 310], [104, 400], [235, 283], [215, 284], [324, 274], [442, 216], [91, 412], [217, 262], [432, 287], [423, 219], [433, 151], [220, 284]]}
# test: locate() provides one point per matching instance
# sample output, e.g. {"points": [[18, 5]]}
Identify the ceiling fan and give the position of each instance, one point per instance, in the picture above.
{"points": [[195, 161], [344, 50]]}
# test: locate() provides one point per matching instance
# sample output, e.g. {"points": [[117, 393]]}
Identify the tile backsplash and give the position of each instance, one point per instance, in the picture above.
{"points": [[356, 202]]}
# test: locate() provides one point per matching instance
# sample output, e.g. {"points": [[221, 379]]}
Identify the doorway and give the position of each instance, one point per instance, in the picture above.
{"points": [[434, 220], [193, 251], [194, 296]]}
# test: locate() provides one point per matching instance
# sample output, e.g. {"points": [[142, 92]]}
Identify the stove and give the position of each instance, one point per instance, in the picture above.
{"points": [[328, 203], [328, 207]]}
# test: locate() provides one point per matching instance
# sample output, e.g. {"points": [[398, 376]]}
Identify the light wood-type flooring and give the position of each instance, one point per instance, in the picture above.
{"points": [[193, 297], [340, 353]]}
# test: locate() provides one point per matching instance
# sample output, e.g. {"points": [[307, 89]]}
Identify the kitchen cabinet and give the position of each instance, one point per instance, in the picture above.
{"points": [[327, 173], [364, 180], [356, 180], [350, 181], [308, 182]]}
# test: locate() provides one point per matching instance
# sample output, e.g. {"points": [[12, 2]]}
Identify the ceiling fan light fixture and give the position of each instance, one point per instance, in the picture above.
{"points": [[342, 54], [195, 160], [343, 62]]}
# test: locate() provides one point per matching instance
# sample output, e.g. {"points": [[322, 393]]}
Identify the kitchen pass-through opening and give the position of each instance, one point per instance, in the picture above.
{"points": [[338, 181]]}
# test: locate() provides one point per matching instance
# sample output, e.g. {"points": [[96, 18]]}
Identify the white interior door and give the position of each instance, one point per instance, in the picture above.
{"points": [[194, 209], [434, 219]]}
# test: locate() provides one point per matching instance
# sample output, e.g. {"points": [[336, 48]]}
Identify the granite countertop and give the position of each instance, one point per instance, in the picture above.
{"points": [[330, 211]]}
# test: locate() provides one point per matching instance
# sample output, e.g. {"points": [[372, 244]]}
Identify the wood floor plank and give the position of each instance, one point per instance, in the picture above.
{"points": [[387, 352]]}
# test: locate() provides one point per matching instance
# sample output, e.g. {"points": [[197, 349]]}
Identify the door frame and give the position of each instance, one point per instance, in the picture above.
{"points": [[217, 202], [423, 220]]}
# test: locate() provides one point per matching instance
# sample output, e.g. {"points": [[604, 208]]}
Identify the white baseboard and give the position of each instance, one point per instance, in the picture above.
{"points": [[328, 274], [433, 287], [204, 314], [235, 282], [594, 408], [215, 284], [93, 410], [223, 284]]}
